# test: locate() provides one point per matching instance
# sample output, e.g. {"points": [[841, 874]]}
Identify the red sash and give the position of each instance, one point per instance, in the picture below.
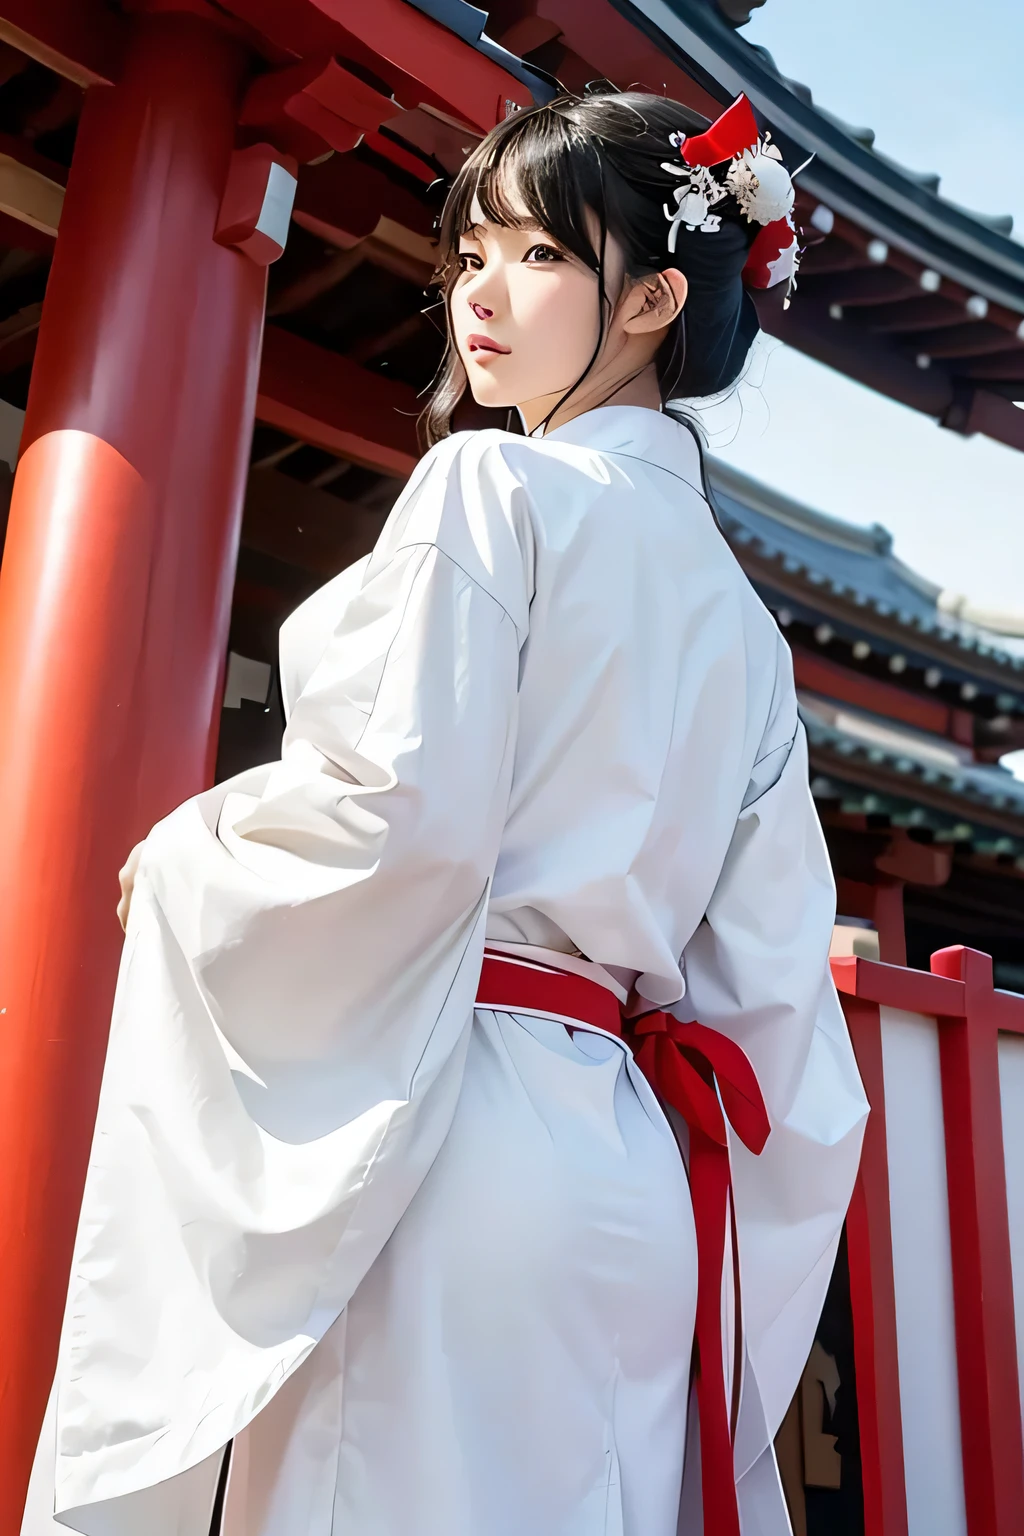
{"points": [[685, 1064]]}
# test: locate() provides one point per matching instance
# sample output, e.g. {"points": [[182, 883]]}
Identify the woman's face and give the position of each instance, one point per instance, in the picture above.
{"points": [[524, 313]]}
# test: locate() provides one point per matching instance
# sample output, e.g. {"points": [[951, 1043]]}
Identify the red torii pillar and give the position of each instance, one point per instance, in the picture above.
{"points": [[114, 604]]}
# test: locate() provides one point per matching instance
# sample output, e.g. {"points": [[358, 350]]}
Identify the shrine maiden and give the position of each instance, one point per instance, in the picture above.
{"points": [[376, 1260]]}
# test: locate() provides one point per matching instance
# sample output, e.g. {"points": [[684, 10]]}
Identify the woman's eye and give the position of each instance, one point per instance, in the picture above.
{"points": [[469, 262], [543, 253]]}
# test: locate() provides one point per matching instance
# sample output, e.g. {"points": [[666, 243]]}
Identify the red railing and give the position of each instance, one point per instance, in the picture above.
{"points": [[969, 1016]]}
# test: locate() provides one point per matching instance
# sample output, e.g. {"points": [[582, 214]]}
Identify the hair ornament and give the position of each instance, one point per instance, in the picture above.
{"points": [[694, 199], [755, 178]]}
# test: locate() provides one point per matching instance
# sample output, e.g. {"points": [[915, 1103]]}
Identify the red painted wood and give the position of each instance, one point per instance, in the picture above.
{"points": [[889, 924], [881, 902], [818, 675], [962, 726], [291, 107], [345, 198], [898, 987], [419, 58], [461, 80], [873, 1293], [329, 401], [600, 34], [114, 604], [990, 1416]]}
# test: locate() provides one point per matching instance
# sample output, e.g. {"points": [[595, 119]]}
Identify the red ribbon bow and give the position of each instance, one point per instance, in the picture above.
{"points": [[684, 1063], [706, 1077], [729, 135]]}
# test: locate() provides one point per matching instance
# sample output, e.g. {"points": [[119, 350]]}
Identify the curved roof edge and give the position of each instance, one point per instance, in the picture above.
{"points": [[852, 570], [845, 174], [997, 621]]}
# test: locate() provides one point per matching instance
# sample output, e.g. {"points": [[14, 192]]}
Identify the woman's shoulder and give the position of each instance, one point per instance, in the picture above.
{"points": [[496, 460], [467, 498]]}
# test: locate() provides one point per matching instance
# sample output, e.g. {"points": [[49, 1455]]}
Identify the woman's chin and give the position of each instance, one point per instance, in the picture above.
{"points": [[488, 391]]}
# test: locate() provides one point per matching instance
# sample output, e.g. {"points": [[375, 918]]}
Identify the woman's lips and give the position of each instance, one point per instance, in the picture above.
{"points": [[479, 343]]}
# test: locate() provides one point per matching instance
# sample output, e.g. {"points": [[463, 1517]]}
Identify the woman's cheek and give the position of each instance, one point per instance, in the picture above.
{"points": [[556, 320]]}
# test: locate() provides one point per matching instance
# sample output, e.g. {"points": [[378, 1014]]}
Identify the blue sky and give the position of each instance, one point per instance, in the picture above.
{"points": [[940, 83]]}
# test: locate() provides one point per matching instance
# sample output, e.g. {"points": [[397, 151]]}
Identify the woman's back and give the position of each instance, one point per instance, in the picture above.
{"points": [[655, 693], [424, 1255]]}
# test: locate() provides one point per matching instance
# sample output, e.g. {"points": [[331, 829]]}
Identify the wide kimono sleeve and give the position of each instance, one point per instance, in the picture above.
{"points": [[293, 1007], [757, 970]]}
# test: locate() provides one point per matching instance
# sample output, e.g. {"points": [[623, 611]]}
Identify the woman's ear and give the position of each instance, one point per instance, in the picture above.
{"points": [[654, 302]]}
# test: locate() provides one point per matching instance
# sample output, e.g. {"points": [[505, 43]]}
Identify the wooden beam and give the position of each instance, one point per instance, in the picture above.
{"points": [[395, 336], [343, 200], [919, 312], [29, 196], [1006, 367], [819, 675], [306, 527], [329, 401], [995, 417], [830, 256], [31, 189], [315, 282], [402, 252], [860, 286], [18, 337], [966, 339], [421, 60], [851, 349], [623, 53], [79, 39]]}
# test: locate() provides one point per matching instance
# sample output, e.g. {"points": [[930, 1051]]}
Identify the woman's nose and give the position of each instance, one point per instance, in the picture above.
{"points": [[480, 310]]}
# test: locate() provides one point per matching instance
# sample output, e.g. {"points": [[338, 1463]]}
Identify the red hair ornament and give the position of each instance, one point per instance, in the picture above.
{"points": [[756, 179]]}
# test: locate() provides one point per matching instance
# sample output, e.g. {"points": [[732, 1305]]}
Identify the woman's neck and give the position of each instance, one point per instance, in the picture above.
{"points": [[639, 389]]}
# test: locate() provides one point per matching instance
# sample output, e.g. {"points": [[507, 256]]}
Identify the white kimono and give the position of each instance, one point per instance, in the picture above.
{"points": [[433, 1269]]}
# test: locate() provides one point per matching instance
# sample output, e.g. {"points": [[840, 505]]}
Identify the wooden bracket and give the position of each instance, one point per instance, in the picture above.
{"points": [[256, 209]]}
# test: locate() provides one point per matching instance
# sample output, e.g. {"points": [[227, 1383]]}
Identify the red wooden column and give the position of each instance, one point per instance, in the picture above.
{"points": [[990, 1415], [114, 604]]}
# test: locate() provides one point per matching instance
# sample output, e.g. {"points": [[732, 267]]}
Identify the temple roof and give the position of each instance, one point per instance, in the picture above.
{"points": [[738, 12], [851, 575], [899, 287], [842, 594], [877, 766]]}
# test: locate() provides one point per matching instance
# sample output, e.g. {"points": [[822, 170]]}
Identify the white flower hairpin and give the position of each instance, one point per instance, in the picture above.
{"points": [[755, 177], [694, 199], [760, 183]]}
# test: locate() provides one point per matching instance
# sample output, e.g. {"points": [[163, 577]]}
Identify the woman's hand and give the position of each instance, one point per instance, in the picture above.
{"points": [[127, 879]]}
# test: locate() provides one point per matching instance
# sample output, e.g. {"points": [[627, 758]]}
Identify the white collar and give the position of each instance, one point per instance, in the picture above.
{"points": [[636, 432]]}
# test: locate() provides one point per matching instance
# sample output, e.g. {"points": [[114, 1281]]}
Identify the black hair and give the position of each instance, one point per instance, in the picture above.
{"points": [[605, 154]]}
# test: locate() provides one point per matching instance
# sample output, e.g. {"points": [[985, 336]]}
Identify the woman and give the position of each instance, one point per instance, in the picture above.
{"points": [[428, 1267]]}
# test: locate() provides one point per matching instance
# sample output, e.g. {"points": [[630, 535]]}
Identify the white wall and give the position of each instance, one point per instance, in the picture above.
{"points": [[926, 1340], [1011, 1090]]}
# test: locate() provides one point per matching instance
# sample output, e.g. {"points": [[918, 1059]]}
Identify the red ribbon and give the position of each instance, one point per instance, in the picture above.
{"points": [[769, 243], [706, 1077], [732, 133]]}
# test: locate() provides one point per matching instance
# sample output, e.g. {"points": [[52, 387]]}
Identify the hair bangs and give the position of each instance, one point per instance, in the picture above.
{"points": [[586, 169], [537, 171]]}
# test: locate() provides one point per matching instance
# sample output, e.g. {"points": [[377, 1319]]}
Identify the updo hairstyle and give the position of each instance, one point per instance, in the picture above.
{"points": [[606, 153]]}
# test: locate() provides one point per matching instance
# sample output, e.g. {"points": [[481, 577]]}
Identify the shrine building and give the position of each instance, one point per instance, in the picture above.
{"points": [[216, 331]]}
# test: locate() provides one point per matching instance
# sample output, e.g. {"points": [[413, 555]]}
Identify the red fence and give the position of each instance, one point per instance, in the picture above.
{"points": [[936, 1246]]}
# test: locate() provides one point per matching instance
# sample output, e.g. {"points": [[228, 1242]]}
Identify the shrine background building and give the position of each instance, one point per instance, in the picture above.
{"points": [[215, 240]]}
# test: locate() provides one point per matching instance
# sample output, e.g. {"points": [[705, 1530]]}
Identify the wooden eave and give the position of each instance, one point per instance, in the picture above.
{"points": [[890, 238]]}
